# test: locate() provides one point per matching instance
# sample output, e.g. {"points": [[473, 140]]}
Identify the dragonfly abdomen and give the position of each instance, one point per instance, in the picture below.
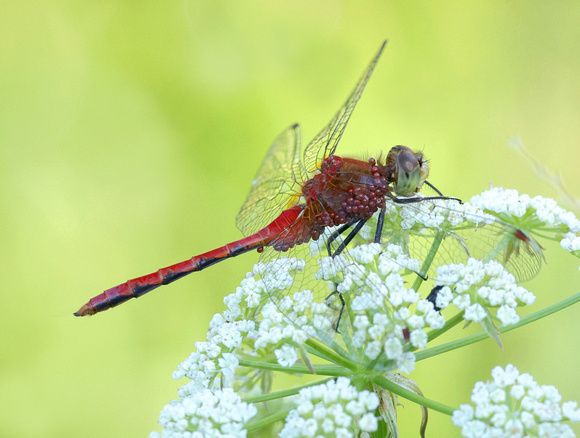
{"points": [[275, 232]]}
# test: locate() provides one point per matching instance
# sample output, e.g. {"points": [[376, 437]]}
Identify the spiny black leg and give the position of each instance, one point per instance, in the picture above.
{"points": [[434, 188], [339, 250], [335, 235], [420, 199], [380, 224], [342, 306], [349, 237], [329, 241]]}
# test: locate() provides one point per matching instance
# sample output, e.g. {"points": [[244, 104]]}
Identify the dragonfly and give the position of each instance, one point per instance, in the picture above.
{"points": [[315, 197]]}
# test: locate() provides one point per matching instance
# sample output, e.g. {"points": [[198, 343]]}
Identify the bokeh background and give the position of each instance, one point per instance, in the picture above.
{"points": [[130, 133]]}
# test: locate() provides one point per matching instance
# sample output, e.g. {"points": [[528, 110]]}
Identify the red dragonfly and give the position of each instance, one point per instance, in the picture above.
{"points": [[296, 200]]}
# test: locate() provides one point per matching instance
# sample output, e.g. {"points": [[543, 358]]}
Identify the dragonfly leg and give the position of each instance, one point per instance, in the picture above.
{"points": [[342, 305], [420, 199], [348, 238], [380, 224], [434, 188], [334, 236], [338, 251]]}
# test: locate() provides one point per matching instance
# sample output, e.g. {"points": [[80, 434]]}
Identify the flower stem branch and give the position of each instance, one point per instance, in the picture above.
{"points": [[482, 336], [384, 382], [285, 393], [263, 422]]}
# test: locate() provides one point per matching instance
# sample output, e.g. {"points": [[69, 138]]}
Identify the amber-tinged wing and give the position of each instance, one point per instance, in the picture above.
{"points": [[277, 185], [324, 144]]}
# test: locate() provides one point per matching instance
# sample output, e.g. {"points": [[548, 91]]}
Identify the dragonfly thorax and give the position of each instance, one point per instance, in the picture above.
{"points": [[346, 190]]}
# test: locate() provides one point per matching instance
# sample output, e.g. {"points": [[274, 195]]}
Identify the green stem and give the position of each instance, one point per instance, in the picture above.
{"points": [[268, 420], [449, 324], [384, 382], [425, 354], [323, 370], [498, 248], [428, 260], [329, 354], [284, 393]]}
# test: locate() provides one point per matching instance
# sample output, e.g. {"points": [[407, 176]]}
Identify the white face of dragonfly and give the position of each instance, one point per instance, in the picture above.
{"points": [[410, 171]]}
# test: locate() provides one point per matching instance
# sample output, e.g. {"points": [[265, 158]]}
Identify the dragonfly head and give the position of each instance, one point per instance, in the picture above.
{"points": [[409, 170]]}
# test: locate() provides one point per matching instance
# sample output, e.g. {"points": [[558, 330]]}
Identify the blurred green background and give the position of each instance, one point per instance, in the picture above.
{"points": [[130, 133]]}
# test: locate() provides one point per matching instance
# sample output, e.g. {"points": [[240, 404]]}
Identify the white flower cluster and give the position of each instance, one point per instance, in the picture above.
{"points": [[284, 318], [441, 214], [571, 242], [333, 409], [476, 287], [206, 413], [534, 212], [213, 365], [226, 333], [383, 322], [292, 325], [514, 405], [230, 329]]}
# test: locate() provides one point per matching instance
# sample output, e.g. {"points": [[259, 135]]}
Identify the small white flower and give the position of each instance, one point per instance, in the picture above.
{"points": [[507, 315], [571, 411], [393, 348], [463, 415], [418, 338], [475, 312], [406, 362], [368, 423], [286, 355], [513, 405], [505, 377], [228, 363]]}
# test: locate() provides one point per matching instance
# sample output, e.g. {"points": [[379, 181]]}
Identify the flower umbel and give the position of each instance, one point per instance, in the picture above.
{"points": [[535, 216], [486, 293], [513, 404], [334, 409], [207, 413]]}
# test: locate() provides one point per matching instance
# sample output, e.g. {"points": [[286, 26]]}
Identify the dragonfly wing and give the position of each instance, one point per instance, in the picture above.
{"points": [[277, 184], [463, 232], [325, 143]]}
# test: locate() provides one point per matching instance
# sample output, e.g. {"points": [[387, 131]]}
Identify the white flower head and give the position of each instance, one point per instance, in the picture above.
{"points": [[335, 408], [512, 404], [207, 413], [480, 289], [529, 214]]}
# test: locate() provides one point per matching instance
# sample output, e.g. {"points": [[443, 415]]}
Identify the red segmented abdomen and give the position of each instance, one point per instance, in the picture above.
{"points": [[136, 287]]}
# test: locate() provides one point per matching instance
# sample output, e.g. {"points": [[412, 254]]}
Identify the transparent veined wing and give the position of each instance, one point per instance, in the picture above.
{"points": [[277, 184], [325, 143], [452, 232]]}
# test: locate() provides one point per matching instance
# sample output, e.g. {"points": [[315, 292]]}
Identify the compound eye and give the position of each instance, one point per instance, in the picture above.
{"points": [[407, 162], [408, 175]]}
